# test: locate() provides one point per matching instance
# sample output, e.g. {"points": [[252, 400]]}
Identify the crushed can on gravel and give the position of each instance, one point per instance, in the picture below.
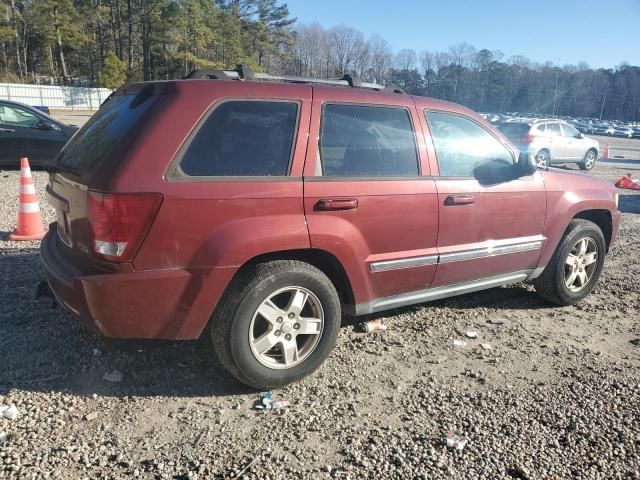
{"points": [[373, 326]]}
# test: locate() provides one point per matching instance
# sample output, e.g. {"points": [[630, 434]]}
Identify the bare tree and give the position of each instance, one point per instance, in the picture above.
{"points": [[346, 44], [406, 59], [379, 57]]}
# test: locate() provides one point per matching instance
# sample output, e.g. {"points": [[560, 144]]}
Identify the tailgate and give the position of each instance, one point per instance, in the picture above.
{"points": [[69, 198]]}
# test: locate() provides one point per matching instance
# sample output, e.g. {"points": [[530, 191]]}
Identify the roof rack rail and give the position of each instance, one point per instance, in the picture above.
{"points": [[243, 72]]}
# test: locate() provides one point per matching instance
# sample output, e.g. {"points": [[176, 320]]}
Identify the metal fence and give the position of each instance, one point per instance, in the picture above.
{"points": [[60, 98]]}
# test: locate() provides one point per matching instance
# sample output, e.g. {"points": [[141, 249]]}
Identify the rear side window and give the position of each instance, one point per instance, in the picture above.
{"points": [[465, 149], [542, 127], [109, 133], [553, 129], [243, 138], [367, 141]]}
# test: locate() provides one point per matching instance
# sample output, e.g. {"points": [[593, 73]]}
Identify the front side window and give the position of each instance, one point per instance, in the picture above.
{"points": [[367, 141], [17, 116], [569, 131], [465, 149], [243, 138]]}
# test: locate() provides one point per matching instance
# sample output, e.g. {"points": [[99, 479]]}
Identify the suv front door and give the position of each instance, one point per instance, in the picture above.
{"points": [[574, 146], [367, 199], [491, 219]]}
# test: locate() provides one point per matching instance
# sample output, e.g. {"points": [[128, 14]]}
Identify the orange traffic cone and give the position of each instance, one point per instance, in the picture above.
{"points": [[605, 152], [627, 182], [29, 219]]}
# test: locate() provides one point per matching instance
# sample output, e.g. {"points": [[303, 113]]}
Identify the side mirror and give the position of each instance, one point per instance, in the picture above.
{"points": [[579, 135], [526, 164]]}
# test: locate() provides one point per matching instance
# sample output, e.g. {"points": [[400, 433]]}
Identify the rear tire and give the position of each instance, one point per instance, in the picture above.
{"points": [[260, 311], [569, 277], [589, 160], [543, 159]]}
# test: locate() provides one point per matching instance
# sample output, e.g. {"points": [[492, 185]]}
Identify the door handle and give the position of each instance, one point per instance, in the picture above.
{"points": [[462, 199], [336, 204], [7, 130]]}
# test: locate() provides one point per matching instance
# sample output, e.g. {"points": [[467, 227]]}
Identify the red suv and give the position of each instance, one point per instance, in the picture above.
{"points": [[265, 210]]}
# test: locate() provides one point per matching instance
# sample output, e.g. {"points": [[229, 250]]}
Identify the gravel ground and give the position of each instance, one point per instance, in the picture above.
{"points": [[557, 396]]}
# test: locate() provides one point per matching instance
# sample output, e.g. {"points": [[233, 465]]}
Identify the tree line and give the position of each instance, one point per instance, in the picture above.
{"points": [[108, 42]]}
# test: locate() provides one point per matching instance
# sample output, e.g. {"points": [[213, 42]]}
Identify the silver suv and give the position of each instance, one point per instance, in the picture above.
{"points": [[552, 141]]}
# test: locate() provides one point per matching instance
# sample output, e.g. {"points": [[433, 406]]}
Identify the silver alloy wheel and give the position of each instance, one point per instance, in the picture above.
{"points": [[581, 264], [286, 327], [542, 159], [589, 160]]}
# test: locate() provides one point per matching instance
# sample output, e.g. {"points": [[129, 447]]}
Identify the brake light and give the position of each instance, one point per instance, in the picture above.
{"points": [[119, 222], [526, 139]]}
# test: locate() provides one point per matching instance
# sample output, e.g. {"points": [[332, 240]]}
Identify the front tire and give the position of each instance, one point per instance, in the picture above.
{"points": [[276, 324], [589, 160], [576, 265]]}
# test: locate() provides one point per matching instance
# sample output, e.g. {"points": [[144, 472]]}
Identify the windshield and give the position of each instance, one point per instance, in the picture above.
{"points": [[107, 133]]}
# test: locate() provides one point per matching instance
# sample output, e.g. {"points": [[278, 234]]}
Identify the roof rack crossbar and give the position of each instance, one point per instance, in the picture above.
{"points": [[243, 72]]}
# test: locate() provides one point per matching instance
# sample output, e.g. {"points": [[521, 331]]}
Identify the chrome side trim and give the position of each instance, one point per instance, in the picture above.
{"points": [[438, 293], [490, 251], [403, 263], [485, 252]]}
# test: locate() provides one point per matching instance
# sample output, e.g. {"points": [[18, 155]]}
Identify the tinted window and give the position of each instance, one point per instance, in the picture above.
{"points": [[243, 138], [542, 127], [17, 116], [553, 129], [465, 149], [364, 141], [514, 130], [569, 131], [109, 133]]}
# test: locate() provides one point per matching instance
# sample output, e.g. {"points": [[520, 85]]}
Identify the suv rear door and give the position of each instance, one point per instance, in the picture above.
{"points": [[556, 141], [491, 222], [368, 200]]}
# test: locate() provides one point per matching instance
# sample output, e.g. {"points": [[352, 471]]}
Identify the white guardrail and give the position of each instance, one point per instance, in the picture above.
{"points": [[54, 97]]}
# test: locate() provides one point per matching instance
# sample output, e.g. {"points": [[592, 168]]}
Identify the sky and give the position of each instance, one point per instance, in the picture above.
{"points": [[602, 33]]}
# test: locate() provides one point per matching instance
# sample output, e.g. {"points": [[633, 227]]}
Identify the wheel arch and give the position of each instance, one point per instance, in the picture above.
{"points": [[323, 260], [602, 218]]}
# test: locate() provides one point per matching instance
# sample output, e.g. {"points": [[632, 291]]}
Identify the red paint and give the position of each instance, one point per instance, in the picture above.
{"points": [[204, 231]]}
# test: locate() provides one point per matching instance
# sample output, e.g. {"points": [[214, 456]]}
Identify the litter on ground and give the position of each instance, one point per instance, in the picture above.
{"points": [[455, 440], [266, 402], [10, 412]]}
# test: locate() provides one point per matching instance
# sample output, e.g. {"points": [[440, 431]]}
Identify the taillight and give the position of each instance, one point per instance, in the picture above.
{"points": [[119, 222], [526, 139]]}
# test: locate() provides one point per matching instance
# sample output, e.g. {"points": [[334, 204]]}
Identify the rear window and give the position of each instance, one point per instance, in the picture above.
{"points": [[108, 133], [514, 130], [243, 138]]}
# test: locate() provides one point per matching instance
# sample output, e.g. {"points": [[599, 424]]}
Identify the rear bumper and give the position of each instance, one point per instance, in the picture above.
{"points": [[167, 304]]}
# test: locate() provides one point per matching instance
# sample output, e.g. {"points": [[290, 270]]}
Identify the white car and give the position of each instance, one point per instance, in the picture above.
{"points": [[552, 142]]}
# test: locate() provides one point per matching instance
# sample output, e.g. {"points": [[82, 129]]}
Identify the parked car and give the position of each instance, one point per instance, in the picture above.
{"points": [[259, 212], [28, 132], [620, 131], [552, 142]]}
